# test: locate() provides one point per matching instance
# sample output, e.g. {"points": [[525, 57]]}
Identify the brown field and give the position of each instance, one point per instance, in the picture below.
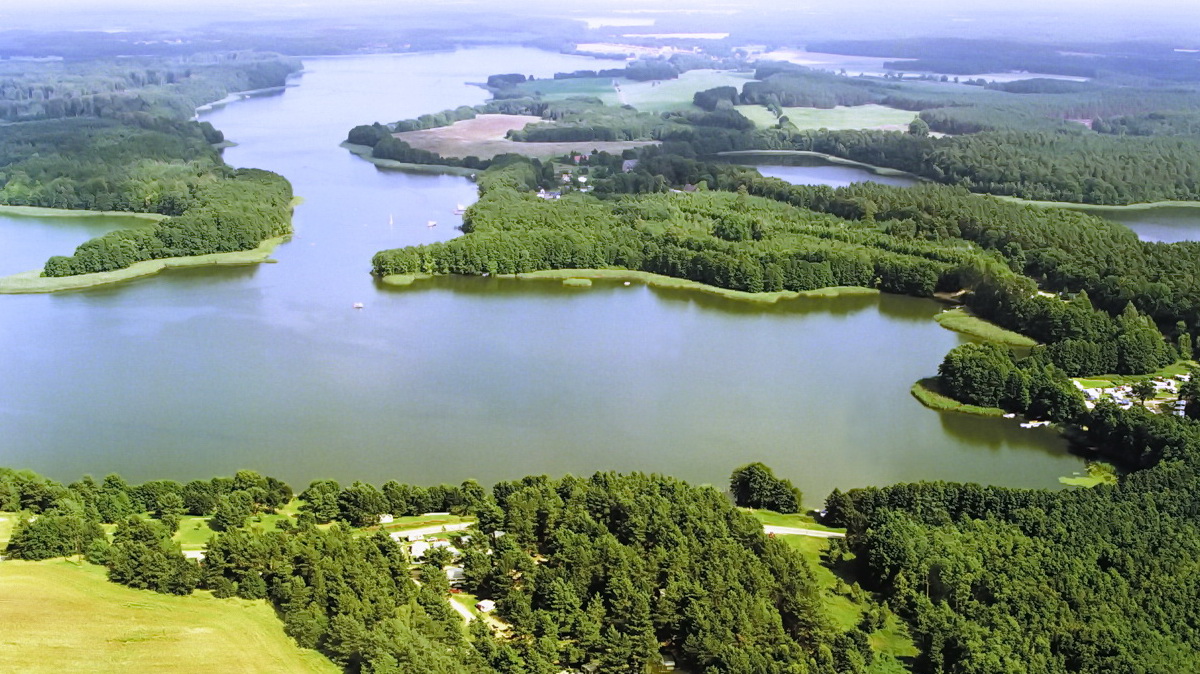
{"points": [[483, 137], [60, 616]]}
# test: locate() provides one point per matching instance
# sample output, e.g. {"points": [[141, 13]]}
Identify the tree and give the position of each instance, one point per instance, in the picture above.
{"points": [[321, 499], [1143, 390], [755, 486], [918, 127]]}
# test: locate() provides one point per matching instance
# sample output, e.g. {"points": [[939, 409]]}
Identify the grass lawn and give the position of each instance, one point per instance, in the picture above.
{"points": [[929, 393], [891, 642], [60, 616], [1176, 368], [960, 320], [677, 94], [417, 522], [797, 520]]}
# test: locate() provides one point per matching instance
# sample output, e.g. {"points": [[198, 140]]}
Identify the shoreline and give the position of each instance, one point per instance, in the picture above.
{"points": [[364, 152], [963, 322], [654, 281], [832, 159], [43, 212], [926, 392], [1076, 206], [33, 282]]}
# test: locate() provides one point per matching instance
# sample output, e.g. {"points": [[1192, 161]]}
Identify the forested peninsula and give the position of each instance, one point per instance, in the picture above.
{"points": [[92, 138]]}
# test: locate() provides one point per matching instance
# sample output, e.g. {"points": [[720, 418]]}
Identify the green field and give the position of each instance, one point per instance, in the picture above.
{"points": [[60, 616], [960, 320], [891, 643], [869, 116], [676, 94], [554, 90], [659, 96], [760, 115], [798, 520]]}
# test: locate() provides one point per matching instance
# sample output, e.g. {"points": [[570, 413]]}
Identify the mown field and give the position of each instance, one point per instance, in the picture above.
{"points": [[656, 96], [60, 616], [858, 117]]}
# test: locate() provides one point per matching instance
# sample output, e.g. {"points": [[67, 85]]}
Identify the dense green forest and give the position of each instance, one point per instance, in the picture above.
{"points": [[606, 571], [111, 88], [122, 140]]}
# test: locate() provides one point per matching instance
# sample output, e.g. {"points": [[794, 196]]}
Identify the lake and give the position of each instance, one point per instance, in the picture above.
{"points": [[1166, 224], [201, 372], [813, 170]]}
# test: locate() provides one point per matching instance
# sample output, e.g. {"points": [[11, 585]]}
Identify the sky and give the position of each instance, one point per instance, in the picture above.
{"points": [[1141, 18]]}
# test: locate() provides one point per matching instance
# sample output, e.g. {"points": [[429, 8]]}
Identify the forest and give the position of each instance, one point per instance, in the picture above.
{"points": [[111, 88], [104, 140], [602, 572]]}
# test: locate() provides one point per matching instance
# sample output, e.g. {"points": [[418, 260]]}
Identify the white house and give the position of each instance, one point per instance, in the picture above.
{"points": [[455, 574], [418, 549], [386, 519], [485, 606]]}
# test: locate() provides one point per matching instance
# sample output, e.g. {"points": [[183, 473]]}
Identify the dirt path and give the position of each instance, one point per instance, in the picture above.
{"points": [[794, 531]]}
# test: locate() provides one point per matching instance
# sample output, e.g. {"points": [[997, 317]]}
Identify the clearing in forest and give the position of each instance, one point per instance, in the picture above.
{"points": [[63, 616], [484, 137]]}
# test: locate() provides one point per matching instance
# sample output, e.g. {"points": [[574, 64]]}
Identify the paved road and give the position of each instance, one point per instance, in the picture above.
{"points": [[793, 531], [425, 531]]}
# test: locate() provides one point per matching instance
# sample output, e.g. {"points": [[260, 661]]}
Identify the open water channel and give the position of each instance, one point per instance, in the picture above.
{"points": [[201, 372]]}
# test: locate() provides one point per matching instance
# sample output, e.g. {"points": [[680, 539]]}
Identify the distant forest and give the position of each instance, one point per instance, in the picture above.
{"points": [[103, 136]]}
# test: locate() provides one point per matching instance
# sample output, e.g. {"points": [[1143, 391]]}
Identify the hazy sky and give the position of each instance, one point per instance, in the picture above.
{"points": [[1139, 18]]}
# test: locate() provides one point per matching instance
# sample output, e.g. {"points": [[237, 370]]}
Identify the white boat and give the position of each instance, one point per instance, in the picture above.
{"points": [[460, 209], [431, 223], [358, 305]]}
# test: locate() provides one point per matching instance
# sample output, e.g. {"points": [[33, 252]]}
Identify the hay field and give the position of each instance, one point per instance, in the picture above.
{"points": [[60, 616]]}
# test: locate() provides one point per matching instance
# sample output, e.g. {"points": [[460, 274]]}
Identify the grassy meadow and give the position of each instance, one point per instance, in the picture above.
{"points": [[930, 395], [961, 320], [845, 603], [657, 96], [62, 616], [870, 116]]}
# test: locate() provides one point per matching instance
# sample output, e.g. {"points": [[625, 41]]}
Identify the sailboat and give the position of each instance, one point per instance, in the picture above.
{"points": [[391, 220], [431, 223], [460, 209]]}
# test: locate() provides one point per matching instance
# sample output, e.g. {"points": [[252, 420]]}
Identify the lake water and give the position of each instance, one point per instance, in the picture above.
{"points": [[200, 372], [811, 170], [1167, 224]]}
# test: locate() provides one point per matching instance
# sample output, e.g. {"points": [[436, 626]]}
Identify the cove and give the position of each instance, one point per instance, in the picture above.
{"points": [[204, 371]]}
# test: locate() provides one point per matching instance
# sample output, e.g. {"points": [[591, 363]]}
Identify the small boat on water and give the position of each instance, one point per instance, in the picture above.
{"points": [[460, 209], [358, 305], [1034, 424], [431, 223]]}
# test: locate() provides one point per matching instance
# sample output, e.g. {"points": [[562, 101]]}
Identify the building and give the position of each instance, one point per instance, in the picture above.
{"points": [[386, 519], [418, 549], [485, 606]]}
